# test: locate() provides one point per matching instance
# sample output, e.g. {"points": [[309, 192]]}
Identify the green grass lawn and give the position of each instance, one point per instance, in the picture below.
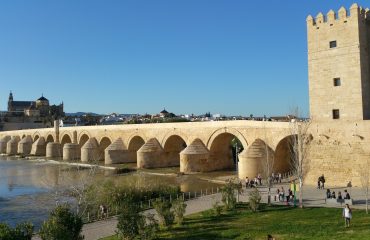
{"points": [[280, 221]]}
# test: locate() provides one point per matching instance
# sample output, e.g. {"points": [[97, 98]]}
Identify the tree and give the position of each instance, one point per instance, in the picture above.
{"points": [[268, 165], [165, 214], [130, 221], [179, 208], [299, 146], [62, 224], [254, 199], [364, 173], [228, 193]]}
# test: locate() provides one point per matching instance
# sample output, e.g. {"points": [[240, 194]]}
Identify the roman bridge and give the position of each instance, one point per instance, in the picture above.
{"points": [[194, 147]]}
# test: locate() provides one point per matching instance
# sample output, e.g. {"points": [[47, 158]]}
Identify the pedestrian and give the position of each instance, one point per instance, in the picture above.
{"points": [[322, 181], [347, 214], [340, 196], [277, 196], [328, 193], [346, 195], [319, 183], [333, 195], [103, 211], [246, 182], [279, 177]]}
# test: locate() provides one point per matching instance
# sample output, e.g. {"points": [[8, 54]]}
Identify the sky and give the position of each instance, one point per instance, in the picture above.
{"points": [[231, 57]]}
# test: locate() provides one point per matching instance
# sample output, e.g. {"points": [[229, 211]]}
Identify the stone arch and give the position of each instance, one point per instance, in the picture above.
{"points": [[134, 144], [222, 154], [36, 136], [50, 138], [66, 138], [283, 155], [172, 147], [83, 139], [173, 133], [231, 131], [103, 144]]}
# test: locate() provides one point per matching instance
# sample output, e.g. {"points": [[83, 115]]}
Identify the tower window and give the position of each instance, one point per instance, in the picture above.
{"points": [[335, 113], [337, 82], [333, 44]]}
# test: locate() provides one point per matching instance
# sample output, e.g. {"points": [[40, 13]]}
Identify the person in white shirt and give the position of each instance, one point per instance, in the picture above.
{"points": [[347, 214]]}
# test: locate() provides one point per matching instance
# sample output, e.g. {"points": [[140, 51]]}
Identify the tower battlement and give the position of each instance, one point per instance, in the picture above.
{"points": [[354, 12], [339, 64]]}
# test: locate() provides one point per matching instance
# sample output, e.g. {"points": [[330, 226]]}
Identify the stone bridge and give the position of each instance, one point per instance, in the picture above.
{"points": [[194, 147]]}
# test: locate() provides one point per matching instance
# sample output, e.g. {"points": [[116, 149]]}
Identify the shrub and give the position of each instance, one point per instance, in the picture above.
{"points": [[22, 231], [254, 199], [217, 209], [62, 224], [130, 221], [228, 193], [179, 208], [150, 229], [165, 214]]}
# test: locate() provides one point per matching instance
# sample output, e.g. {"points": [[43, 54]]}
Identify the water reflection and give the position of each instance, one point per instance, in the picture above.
{"points": [[29, 189]]}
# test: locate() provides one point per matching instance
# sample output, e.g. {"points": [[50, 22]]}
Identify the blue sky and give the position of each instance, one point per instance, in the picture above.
{"points": [[194, 56]]}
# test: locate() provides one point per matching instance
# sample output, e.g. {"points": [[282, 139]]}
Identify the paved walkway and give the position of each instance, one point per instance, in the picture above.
{"points": [[312, 197]]}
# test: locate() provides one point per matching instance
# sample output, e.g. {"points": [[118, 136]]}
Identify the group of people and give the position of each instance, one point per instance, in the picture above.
{"points": [[282, 195], [330, 194], [253, 182], [257, 180], [276, 177], [321, 182]]}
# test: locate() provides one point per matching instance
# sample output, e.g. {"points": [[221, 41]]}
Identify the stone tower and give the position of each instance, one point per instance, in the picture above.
{"points": [[10, 101], [338, 65]]}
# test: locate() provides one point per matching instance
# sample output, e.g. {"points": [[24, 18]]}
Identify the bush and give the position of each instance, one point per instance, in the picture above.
{"points": [[150, 229], [22, 231], [254, 200], [62, 224], [228, 193], [130, 221], [217, 209], [165, 214], [179, 208]]}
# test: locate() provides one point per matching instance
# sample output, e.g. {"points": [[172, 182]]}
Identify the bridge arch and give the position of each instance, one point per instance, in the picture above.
{"points": [[222, 146], [134, 143], [50, 138], [175, 133], [83, 138], [283, 154], [36, 136], [66, 138], [231, 131], [172, 147], [103, 144]]}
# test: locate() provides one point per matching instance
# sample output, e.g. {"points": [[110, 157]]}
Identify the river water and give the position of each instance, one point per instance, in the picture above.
{"points": [[29, 189]]}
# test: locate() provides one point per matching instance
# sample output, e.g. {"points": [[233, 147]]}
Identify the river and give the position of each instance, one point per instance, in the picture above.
{"points": [[29, 188]]}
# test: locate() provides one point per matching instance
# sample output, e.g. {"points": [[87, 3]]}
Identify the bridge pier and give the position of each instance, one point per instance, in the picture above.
{"points": [[252, 159], [3, 143], [90, 151], [194, 158], [150, 155], [116, 153], [53, 150], [12, 146], [25, 146], [71, 151], [39, 147]]}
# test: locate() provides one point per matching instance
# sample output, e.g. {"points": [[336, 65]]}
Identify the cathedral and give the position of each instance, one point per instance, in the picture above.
{"points": [[39, 108]]}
